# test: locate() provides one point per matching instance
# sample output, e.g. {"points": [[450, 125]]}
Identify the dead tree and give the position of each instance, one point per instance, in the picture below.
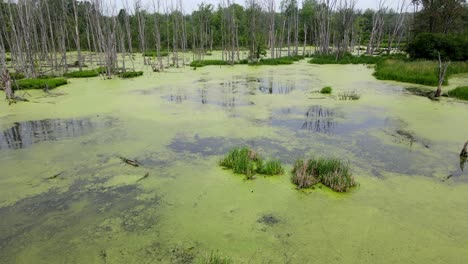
{"points": [[377, 27], [443, 66], [464, 151], [6, 83]]}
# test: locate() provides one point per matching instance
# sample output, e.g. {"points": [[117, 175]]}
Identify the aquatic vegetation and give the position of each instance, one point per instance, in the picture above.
{"points": [[268, 219], [130, 74], [248, 162], [155, 54], [39, 83], [418, 72], [17, 75], [278, 61], [202, 63], [215, 258], [84, 74], [346, 59], [271, 167], [331, 172], [350, 95], [326, 90], [459, 92]]}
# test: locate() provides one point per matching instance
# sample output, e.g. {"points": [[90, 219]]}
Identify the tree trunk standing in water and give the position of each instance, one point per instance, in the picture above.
{"points": [[7, 85], [77, 35], [271, 33], [443, 65], [464, 152]]}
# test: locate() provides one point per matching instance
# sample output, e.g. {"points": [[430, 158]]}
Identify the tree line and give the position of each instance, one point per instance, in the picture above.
{"points": [[38, 35]]}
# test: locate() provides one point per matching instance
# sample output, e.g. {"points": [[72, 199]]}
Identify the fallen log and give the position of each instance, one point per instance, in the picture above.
{"points": [[133, 163], [56, 175]]}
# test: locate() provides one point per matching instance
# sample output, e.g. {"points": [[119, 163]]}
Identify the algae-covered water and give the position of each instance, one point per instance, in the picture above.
{"points": [[66, 196]]}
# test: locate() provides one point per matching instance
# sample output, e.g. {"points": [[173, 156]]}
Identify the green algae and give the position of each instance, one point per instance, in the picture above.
{"points": [[96, 210]]}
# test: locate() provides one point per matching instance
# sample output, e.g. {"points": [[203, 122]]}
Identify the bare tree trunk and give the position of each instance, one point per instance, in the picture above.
{"points": [[77, 35], [464, 151], [7, 85], [443, 65]]}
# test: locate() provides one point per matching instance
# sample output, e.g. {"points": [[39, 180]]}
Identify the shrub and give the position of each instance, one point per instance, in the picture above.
{"points": [[248, 162], [332, 173], [84, 74], [130, 74], [459, 92], [39, 83], [326, 90]]}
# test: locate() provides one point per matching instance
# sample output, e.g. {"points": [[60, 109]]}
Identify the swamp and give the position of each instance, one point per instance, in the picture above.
{"points": [[301, 159]]}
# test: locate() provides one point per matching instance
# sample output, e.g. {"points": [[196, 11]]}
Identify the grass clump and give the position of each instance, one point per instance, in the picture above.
{"points": [[346, 59], [350, 95], [419, 72], [203, 63], [278, 61], [326, 90], [215, 258], [459, 92], [130, 74], [84, 74], [271, 167], [49, 83], [248, 162], [333, 173], [155, 54]]}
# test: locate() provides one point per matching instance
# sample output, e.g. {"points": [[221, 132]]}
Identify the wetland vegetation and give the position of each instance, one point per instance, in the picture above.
{"points": [[129, 128]]}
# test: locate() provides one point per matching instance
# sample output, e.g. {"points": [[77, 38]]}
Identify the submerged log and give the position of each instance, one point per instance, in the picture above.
{"points": [[56, 175], [144, 177], [133, 163], [464, 152]]}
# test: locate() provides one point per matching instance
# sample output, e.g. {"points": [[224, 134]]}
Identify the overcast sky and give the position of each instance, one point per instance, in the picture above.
{"points": [[190, 5]]}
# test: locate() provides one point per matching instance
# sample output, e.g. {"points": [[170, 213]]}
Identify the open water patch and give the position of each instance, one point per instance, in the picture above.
{"points": [[25, 134]]}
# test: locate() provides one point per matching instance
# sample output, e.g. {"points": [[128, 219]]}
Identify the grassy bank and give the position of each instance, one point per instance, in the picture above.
{"points": [[51, 83], [418, 72], [459, 92]]}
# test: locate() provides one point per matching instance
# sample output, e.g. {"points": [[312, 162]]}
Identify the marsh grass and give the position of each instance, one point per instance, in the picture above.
{"points": [[130, 74], [215, 258], [326, 90], [203, 63], [84, 74], [350, 95], [248, 162], [278, 61], [418, 72], [155, 54], [459, 92], [49, 83], [271, 167], [346, 59], [331, 172]]}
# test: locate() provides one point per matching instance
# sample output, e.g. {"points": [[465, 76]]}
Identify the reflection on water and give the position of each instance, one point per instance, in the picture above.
{"points": [[270, 86], [319, 120], [24, 134]]}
